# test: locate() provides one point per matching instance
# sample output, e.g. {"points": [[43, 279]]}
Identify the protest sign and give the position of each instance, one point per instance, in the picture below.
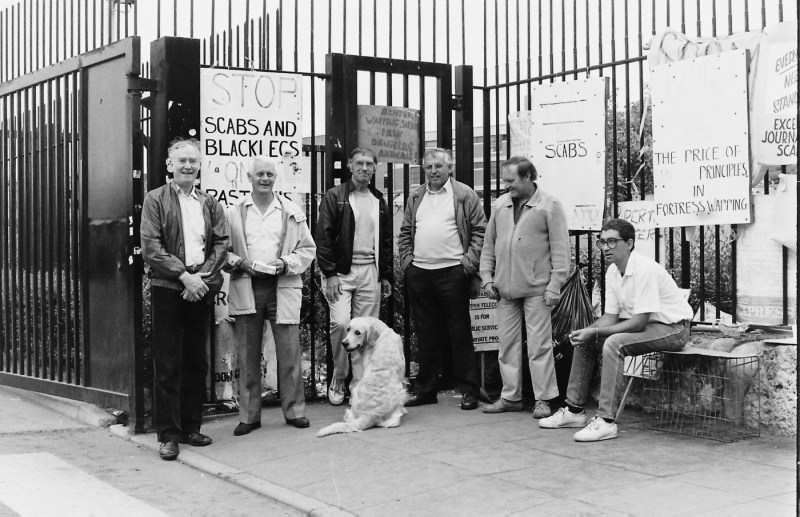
{"points": [[564, 136], [700, 141], [245, 114], [393, 133]]}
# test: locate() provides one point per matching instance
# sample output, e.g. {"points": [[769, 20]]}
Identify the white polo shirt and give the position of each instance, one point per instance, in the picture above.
{"points": [[193, 227], [645, 287]]}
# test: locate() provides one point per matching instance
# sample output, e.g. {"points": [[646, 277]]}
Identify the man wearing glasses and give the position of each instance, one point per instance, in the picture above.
{"points": [[354, 253], [645, 312], [440, 244]]}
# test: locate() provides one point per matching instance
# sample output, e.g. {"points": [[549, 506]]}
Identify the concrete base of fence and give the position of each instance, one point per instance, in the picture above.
{"points": [[83, 412]]}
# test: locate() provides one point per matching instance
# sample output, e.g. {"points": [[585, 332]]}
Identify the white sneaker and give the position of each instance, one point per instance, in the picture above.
{"points": [[563, 418], [336, 392], [598, 429]]}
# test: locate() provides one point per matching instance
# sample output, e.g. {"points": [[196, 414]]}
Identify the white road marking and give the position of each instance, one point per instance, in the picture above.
{"points": [[42, 484]]}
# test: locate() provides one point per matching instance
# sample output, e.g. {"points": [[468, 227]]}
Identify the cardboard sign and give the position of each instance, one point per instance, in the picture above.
{"points": [[564, 136], [245, 114], [483, 315], [700, 141], [393, 133]]}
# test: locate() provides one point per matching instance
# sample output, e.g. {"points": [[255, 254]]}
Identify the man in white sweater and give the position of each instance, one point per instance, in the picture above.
{"points": [[525, 261]]}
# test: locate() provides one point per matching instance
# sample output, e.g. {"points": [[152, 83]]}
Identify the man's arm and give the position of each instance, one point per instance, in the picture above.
{"points": [[326, 235], [303, 253], [488, 259], [154, 251], [558, 235], [608, 325], [477, 230], [404, 244], [220, 239]]}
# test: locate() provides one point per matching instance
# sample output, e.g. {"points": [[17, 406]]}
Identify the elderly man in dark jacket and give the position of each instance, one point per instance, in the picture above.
{"points": [[184, 241]]}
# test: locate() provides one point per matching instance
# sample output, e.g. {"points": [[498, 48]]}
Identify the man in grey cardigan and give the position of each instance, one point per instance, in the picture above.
{"points": [[525, 261]]}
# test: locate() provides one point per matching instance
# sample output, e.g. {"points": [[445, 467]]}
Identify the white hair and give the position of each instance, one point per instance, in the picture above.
{"points": [[262, 159]]}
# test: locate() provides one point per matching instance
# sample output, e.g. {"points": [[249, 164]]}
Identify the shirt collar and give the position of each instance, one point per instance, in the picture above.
{"points": [[192, 194], [447, 187], [248, 201]]}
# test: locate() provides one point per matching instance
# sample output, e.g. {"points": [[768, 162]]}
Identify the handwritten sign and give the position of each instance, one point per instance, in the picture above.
{"points": [[245, 114], [393, 133], [483, 315], [700, 141], [642, 215], [776, 119], [564, 136]]}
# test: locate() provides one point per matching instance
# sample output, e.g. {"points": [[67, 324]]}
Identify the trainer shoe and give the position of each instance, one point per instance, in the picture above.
{"points": [[502, 405], [598, 429], [336, 392], [541, 409], [563, 418]]}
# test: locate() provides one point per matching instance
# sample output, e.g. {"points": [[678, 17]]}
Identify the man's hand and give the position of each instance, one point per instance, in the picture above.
{"points": [[279, 266], [551, 299], [386, 288], [333, 289], [491, 292], [196, 288], [247, 267], [584, 336]]}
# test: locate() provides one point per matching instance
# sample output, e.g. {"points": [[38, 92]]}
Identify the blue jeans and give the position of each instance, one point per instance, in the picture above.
{"points": [[656, 337]]}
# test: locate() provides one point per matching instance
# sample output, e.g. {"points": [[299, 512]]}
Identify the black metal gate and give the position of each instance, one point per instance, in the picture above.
{"points": [[70, 322]]}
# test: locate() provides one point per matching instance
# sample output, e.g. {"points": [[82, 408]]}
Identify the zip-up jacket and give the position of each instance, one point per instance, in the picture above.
{"points": [[296, 250], [470, 222], [530, 257], [335, 233], [162, 238]]}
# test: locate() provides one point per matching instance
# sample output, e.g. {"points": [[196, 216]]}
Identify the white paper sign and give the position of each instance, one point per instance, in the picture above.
{"points": [[700, 141], [483, 315], [564, 136], [245, 114], [776, 121], [642, 215]]}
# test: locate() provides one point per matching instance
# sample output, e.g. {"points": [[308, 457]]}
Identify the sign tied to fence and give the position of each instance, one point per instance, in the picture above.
{"points": [[245, 114], [393, 133], [485, 331], [701, 152]]}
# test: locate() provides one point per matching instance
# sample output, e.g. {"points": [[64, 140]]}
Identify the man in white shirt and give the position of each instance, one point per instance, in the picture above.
{"points": [[271, 246], [185, 242], [645, 312], [440, 243]]}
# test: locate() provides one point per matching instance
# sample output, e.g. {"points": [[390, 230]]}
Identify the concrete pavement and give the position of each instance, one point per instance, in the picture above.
{"points": [[445, 461]]}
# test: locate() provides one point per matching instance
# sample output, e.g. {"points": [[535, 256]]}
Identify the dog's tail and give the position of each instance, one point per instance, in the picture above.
{"points": [[359, 424]]}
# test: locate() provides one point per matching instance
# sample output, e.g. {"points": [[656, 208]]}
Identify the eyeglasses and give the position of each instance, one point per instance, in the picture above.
{"points": [[437, 166], [611, 242], [359, 164]]}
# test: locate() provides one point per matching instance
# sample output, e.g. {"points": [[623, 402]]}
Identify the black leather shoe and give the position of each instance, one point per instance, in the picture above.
{"points": [[243, 428], [468, 401], [420, 400], [197, 439], [168, 450], [300, 422]]}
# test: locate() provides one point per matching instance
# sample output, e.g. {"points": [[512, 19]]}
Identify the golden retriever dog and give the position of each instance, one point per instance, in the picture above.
{"points": [[378, 399]]}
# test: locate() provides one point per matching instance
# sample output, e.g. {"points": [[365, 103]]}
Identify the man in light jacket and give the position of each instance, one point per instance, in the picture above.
{"points": [[525, 262], [271, 246]]}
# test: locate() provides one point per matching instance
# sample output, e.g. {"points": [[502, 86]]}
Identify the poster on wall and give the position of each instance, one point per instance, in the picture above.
{"points": [[245, 114], [393, 133], [701, 141], [776, 112], [563, 134]]}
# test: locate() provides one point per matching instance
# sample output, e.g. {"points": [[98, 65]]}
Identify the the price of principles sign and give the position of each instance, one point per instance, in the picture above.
{"points": [[701, 158], [245, 114]]}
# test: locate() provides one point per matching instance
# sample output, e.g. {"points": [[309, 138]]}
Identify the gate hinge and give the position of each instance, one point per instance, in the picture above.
{"points": [[458, 103], [141, 84]]}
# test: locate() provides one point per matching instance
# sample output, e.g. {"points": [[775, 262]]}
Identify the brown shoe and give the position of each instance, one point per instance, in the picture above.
{"points": [[168, 450], [299, 422], [502, 405]]}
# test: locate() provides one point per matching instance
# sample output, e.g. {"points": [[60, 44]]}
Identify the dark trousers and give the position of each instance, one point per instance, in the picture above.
{"points": [[180, 333], [440, 306]]}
